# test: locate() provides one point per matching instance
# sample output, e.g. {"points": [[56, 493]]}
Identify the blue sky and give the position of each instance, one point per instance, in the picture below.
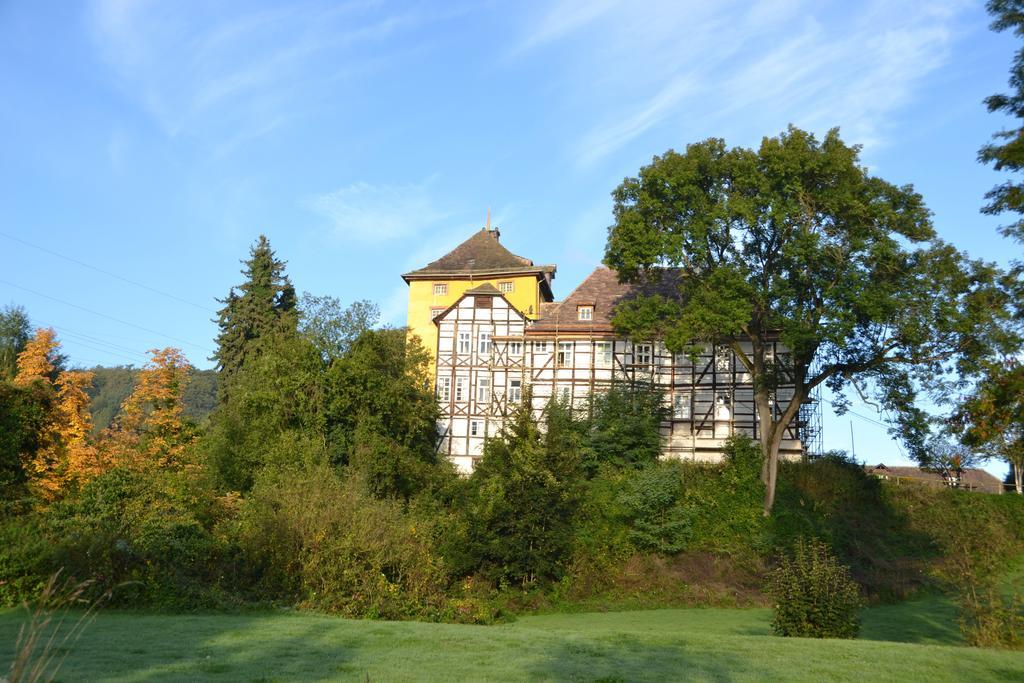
{"points": [[153, 141]]}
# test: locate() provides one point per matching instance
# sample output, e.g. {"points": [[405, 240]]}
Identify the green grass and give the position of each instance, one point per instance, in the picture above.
{"points": [[694, 644]]}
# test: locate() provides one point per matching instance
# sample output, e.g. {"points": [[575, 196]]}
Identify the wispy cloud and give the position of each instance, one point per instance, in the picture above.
{"points": [[368, 213], [664, 68], [233, 74]]}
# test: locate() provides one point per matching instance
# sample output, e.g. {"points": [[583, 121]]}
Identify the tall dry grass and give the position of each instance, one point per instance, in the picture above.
{"points": [[46, 638]]}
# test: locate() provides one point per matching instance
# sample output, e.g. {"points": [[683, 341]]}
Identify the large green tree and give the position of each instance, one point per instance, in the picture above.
{"points": [[264, 305], [994, 417], [1006, 151], [797, 242], [15, 331]]}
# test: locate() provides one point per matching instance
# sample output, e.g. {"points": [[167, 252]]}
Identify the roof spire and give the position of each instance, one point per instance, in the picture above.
{"points": [[495, 231]]}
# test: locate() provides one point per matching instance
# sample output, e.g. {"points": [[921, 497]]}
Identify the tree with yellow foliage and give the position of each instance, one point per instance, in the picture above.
{"points": [[64, 454], [151, 429], [38, 360]]}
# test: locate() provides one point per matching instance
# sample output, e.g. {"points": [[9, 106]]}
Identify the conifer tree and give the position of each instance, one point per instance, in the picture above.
{"points": [[263, 305], [15, 331]]}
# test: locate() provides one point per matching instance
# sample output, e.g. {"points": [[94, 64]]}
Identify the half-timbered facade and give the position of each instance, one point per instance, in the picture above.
{"points": [[488, 352]]}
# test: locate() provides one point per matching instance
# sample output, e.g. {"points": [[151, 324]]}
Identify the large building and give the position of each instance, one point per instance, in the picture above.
{"points": [[490, 319]]}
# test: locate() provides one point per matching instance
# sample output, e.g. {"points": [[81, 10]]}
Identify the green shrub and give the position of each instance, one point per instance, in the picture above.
{"points": [[814, 595], [988, 619], [25, 554], [311, 538], [672, 506]]}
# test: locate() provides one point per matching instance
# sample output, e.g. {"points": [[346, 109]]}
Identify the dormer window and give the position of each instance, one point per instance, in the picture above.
{"points": [[506, 287], [440, 289], [585, 312]]}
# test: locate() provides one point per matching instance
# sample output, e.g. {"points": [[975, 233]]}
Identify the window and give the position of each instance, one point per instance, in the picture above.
{"points": [[440, 289], [460, 388], [463, 342], [483, 390], [515, 391], [566, 394], [473, 462], [681, 405], [585, 312], [564, 354], [506, 287], [483, 302], [436, 311], [475, 428], [603, 354], [643, 354], [444, 389], [540, 347], [515, 348], [723, 359], [484, 342]]}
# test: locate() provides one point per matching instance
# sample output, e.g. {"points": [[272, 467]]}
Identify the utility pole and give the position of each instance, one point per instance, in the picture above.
{"points": [[853, 448]]}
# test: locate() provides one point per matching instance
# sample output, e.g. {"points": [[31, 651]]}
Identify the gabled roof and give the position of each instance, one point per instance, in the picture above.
{"points": [[481, 253], [603, 291], [969, 475], [486, 289]]}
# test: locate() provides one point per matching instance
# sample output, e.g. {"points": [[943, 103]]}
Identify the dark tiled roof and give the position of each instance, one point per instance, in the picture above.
{"points": [[480, 253], [970, 475], [486, 289], [603, 291]]}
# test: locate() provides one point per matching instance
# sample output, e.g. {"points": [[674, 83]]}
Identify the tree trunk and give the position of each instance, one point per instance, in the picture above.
{"points": [[1018, 477], [771, 461]]}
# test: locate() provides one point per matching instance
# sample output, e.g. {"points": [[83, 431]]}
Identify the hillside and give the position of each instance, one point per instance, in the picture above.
{"points": [[112, 386]]}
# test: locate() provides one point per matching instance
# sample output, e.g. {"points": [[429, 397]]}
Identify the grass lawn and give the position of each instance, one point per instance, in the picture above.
{"points": [[692, 644]]}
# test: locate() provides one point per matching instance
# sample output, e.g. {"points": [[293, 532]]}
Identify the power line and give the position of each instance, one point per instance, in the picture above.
{"points": [[107, 273], [66, 332], [108, 317]]}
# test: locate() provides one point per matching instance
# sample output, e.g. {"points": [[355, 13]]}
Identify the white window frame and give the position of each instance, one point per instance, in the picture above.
{"points": [[475, 427], [723, 358], [515, 348], [603, 353], [460, 389], [564, 357], [483, 389], [483, 342], [585, 312], [682, 402], [515, 390], [644, 354], [444, 389], [540, 347], [506, 287], [440, 289], [465, 344]]}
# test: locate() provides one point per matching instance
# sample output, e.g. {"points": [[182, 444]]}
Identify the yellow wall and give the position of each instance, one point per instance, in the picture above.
{"points": [[525, 296]]}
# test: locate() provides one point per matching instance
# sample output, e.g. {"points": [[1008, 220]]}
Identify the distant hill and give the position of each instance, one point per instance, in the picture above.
{"points": [[113, 385]]}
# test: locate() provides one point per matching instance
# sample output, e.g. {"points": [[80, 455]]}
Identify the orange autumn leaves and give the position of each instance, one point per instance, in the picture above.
{"points": [[149, 431]]}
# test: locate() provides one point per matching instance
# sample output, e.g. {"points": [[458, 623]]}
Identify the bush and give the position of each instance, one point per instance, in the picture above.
{"points": [[988, 619], [674, 506], [311, 538], [814, 595]]}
